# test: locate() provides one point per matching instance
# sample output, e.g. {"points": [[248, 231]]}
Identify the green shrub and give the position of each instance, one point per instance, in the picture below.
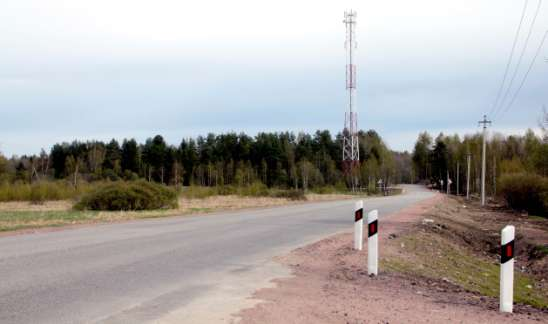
{"points": [[227, 190], [130, 176], [256, 189], [38, 194], [523, 191], [109, 174], [41, 191], [138, 195], [341, 186]]}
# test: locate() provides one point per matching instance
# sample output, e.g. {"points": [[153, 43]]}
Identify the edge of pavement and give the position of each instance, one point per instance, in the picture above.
{"points": [[212, 213], [224, 302]]}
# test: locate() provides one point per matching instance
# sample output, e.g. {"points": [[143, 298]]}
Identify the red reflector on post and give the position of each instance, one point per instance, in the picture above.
{"points": [[372, 228], [358, 215], [507, 252]]}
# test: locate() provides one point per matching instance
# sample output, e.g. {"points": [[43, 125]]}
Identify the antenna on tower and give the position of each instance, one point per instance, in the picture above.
{"points": [[351, 152]]}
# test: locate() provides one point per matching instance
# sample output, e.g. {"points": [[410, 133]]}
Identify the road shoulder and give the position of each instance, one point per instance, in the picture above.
{"points": [[330, 285]]}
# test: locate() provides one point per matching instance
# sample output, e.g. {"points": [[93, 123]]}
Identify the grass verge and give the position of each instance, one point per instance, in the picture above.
{"points": [[43, 191], [17, 220], [430, 256], [21, 220]]}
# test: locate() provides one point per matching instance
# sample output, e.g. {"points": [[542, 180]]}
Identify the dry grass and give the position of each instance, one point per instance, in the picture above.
{"points": [[329, 197], [56, 205], [232, 202]]}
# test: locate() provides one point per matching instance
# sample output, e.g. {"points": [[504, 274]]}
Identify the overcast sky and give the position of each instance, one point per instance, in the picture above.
{"points": [[102, 69]]}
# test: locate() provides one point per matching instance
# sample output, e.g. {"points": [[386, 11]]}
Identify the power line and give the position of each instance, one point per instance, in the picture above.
{"points": [[518, 64], [527, 73], [511, 57]]}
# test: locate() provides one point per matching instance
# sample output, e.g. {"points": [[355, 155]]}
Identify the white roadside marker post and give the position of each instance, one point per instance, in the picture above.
{"points": [[373, 243], [358, 226], [507, 269]]}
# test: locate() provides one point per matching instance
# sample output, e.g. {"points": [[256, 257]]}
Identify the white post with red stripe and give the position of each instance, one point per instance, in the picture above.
{"points": [[507, 269], [373, 243], [358, 226]]}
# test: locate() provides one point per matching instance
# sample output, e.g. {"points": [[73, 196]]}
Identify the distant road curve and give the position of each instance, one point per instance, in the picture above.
{"points": [[178, 269]]}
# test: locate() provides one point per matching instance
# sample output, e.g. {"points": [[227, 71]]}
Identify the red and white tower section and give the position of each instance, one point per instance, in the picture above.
{"points": [[351, 152]]}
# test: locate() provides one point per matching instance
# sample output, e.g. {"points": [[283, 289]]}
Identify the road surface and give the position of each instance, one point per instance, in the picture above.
{"points": [[162, 270]]}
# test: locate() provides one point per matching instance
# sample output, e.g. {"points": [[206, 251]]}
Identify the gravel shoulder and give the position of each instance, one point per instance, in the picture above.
{"points": [[330, 283]]}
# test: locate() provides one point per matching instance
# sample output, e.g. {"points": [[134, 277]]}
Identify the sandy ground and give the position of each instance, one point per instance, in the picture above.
{"points": [[330, 285]]}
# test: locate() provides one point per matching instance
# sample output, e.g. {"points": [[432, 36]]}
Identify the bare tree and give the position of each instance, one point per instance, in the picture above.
{"points": [[44, 163], [96, 156], [178, 173], [33, 171], [73, 167]]}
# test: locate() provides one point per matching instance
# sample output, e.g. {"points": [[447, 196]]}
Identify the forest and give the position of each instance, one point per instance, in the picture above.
{"points": [[291, 161], [435, 159], [281, 160], [516, 166]]}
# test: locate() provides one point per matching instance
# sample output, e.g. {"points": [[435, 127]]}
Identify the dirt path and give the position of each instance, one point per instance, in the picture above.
{"points": [[330, 285]]}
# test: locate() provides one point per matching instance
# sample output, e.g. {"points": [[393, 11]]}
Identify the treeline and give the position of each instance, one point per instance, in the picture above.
{"points": [[433, 159], [282, 160]]}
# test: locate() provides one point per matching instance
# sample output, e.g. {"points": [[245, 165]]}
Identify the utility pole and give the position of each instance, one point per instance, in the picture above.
{"points": [[448, 182], [494, 176], [458, 176], [484, 122], [468, 156]]}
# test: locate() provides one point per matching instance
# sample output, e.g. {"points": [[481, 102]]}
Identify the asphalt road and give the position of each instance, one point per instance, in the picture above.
{"points": [[139, 271]]}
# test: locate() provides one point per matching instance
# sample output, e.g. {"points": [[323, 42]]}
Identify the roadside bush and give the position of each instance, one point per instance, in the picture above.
{"points": [[523, 191], [256, 189], [38, 194], [227, 190], [138, 195], [41, 191], [340, 186], [130, 176], [109, 174]]}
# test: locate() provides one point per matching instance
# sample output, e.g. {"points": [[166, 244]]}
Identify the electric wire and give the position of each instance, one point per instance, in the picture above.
{"points": [[526, 3], [514, 97], [518, 64]]}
